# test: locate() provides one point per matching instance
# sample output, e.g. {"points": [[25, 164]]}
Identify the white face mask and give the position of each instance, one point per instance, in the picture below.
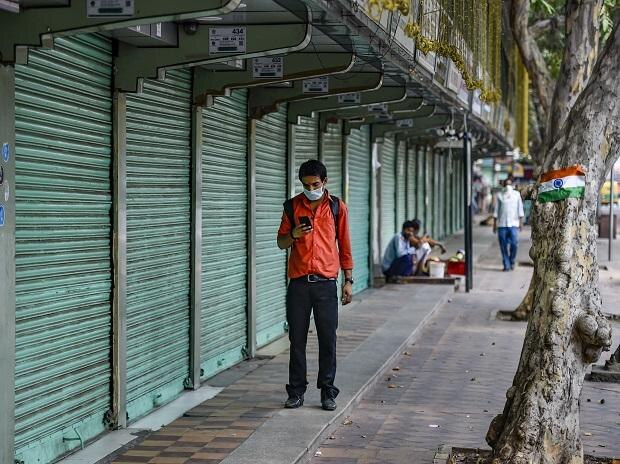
{"points": [[314, 195], [508, 188]]}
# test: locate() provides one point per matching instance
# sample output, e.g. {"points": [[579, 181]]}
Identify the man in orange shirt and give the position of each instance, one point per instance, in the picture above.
{"points": [[316, 226]]}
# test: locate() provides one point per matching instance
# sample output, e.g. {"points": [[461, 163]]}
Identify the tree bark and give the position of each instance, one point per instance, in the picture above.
{"points": [[533, 59], [567, 330], [580, 54]]}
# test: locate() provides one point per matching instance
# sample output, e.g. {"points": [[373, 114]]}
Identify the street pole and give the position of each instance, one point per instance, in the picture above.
{"points": [[468, 211], [611, 212]]}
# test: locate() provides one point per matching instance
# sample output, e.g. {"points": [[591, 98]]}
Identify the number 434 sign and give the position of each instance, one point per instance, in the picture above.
{"points": [[227, 40]]}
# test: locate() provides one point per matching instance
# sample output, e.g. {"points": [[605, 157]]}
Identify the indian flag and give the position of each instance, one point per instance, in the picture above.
{"points": [[561, 184]]}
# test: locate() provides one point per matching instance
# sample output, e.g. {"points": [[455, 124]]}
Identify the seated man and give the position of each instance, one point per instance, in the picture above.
{"points": [[426, 238], [406, 254]]}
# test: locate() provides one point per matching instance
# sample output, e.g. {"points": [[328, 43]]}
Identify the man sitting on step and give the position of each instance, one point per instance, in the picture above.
{"points": [[406, 254]]}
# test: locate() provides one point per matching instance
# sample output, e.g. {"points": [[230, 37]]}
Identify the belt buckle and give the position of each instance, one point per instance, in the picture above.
{"points": [[312, 278]]}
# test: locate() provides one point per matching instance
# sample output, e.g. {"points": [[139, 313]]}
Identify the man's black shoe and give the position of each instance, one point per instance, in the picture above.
{"points": [[328, 404], [294, 402]]}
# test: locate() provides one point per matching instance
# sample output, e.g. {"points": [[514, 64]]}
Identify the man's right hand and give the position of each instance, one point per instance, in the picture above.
{"points": [[301, 231], [494, 229]]}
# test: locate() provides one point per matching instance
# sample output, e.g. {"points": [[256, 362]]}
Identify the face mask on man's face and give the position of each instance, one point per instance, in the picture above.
{"points": [[508, 187], [314, 195]]}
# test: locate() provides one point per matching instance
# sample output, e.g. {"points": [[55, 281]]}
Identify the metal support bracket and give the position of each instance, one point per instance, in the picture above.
{"points": [[412, 103], [266, 99], [134, 63], [38, 26], [319, 105], [296, 66]]}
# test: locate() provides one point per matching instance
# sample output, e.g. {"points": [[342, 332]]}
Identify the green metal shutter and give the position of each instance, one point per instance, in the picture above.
{"points": [[63, 123], [158, 242], [428, 182], [387, 207], [332, 158], [411, 183], [271, 192], [401, 185], [437, 206], [421, 185], [224, 216], [358, 157], [305, 143]]}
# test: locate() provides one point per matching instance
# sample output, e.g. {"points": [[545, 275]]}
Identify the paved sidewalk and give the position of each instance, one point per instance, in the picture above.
{"points": [[451, 382], [245, 420]]}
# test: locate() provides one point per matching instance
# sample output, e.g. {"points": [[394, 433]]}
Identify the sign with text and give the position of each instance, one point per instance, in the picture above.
{"points": [[404, 123], [268, 67], [227, 40], [316, 85], [378, 108], [354, 97], [99, 8]]}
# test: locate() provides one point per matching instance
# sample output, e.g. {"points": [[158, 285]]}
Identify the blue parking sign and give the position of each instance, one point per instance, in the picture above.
{"points": [[5, 152]]}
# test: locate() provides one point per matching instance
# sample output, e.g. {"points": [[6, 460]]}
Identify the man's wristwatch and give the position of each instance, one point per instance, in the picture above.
{"points": [[348, 280]]}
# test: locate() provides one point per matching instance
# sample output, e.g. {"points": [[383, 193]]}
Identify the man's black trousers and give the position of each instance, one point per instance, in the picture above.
{"points": [[302, 299]]}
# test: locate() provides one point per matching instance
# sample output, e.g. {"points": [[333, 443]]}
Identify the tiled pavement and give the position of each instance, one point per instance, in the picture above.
{"points": [[212, 431], [448, 386]]}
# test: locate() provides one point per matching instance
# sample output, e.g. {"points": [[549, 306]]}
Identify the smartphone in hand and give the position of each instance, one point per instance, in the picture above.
{"points": [[305, 221]]}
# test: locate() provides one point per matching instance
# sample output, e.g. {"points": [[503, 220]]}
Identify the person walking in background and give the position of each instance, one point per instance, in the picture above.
{"points": [[316, 226], [507, 221]]}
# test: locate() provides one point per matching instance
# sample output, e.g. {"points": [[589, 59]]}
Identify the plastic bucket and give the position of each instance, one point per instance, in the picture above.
{"points": [[436, 269]]}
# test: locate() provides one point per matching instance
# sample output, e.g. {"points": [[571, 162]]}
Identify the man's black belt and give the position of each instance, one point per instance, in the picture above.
{"points": [[315, 278]]}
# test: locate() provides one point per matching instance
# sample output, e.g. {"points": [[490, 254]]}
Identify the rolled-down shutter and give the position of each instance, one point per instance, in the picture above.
{"points": [[158, 242], [411, 183], [63, 226], [358, 156], [387, 205], [270, 194], [421, 186], [224, 225], [305, 143], [401, 184], [430, 190], [332, 158]]}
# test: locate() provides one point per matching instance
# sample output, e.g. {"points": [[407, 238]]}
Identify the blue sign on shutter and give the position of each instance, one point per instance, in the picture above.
{"points": [[5, 152], [1, 216]]}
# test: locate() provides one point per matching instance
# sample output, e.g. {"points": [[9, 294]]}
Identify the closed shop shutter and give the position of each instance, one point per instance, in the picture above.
{"points": [[224, 216], [158, 242], [358, 156], [411, 183], [421, 186], [271, 185], [387, 206], [63, 227], [332, 158], [401, 184], [428, 220], [305, 143], [437, 182]]}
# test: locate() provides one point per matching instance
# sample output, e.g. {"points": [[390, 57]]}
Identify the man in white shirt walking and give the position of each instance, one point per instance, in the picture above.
{"points": [[508, 216]]}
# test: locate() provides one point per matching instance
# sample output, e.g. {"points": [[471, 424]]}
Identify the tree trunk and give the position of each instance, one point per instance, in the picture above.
{"points": [[566, 330]]}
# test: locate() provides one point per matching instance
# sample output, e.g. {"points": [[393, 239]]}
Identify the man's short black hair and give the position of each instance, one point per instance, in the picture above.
{"points": [[416, 223], [408, 224], [313, 168]]}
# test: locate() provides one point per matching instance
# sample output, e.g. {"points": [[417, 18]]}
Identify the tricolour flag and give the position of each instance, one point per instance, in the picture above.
{"points": [[561, 184]]}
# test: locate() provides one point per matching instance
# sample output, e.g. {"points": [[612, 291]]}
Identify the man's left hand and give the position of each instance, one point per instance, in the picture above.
{"points": [[347, 293]]}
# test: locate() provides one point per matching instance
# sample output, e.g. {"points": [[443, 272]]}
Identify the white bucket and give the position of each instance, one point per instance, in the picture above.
{"points": [[436, 269]]}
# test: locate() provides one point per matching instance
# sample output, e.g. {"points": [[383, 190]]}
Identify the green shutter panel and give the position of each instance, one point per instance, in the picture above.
{"points": [[421, 186], [271, 192], [436, 177], [412, 191], [358, 156], [158, 242], [401, 185], [428, 183], [63, 226], [387, 206], [332, 157], [224, 225], [305, 143]]}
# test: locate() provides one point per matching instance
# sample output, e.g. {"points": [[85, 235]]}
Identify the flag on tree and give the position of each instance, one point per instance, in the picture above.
{"points": [[561, 184]]}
